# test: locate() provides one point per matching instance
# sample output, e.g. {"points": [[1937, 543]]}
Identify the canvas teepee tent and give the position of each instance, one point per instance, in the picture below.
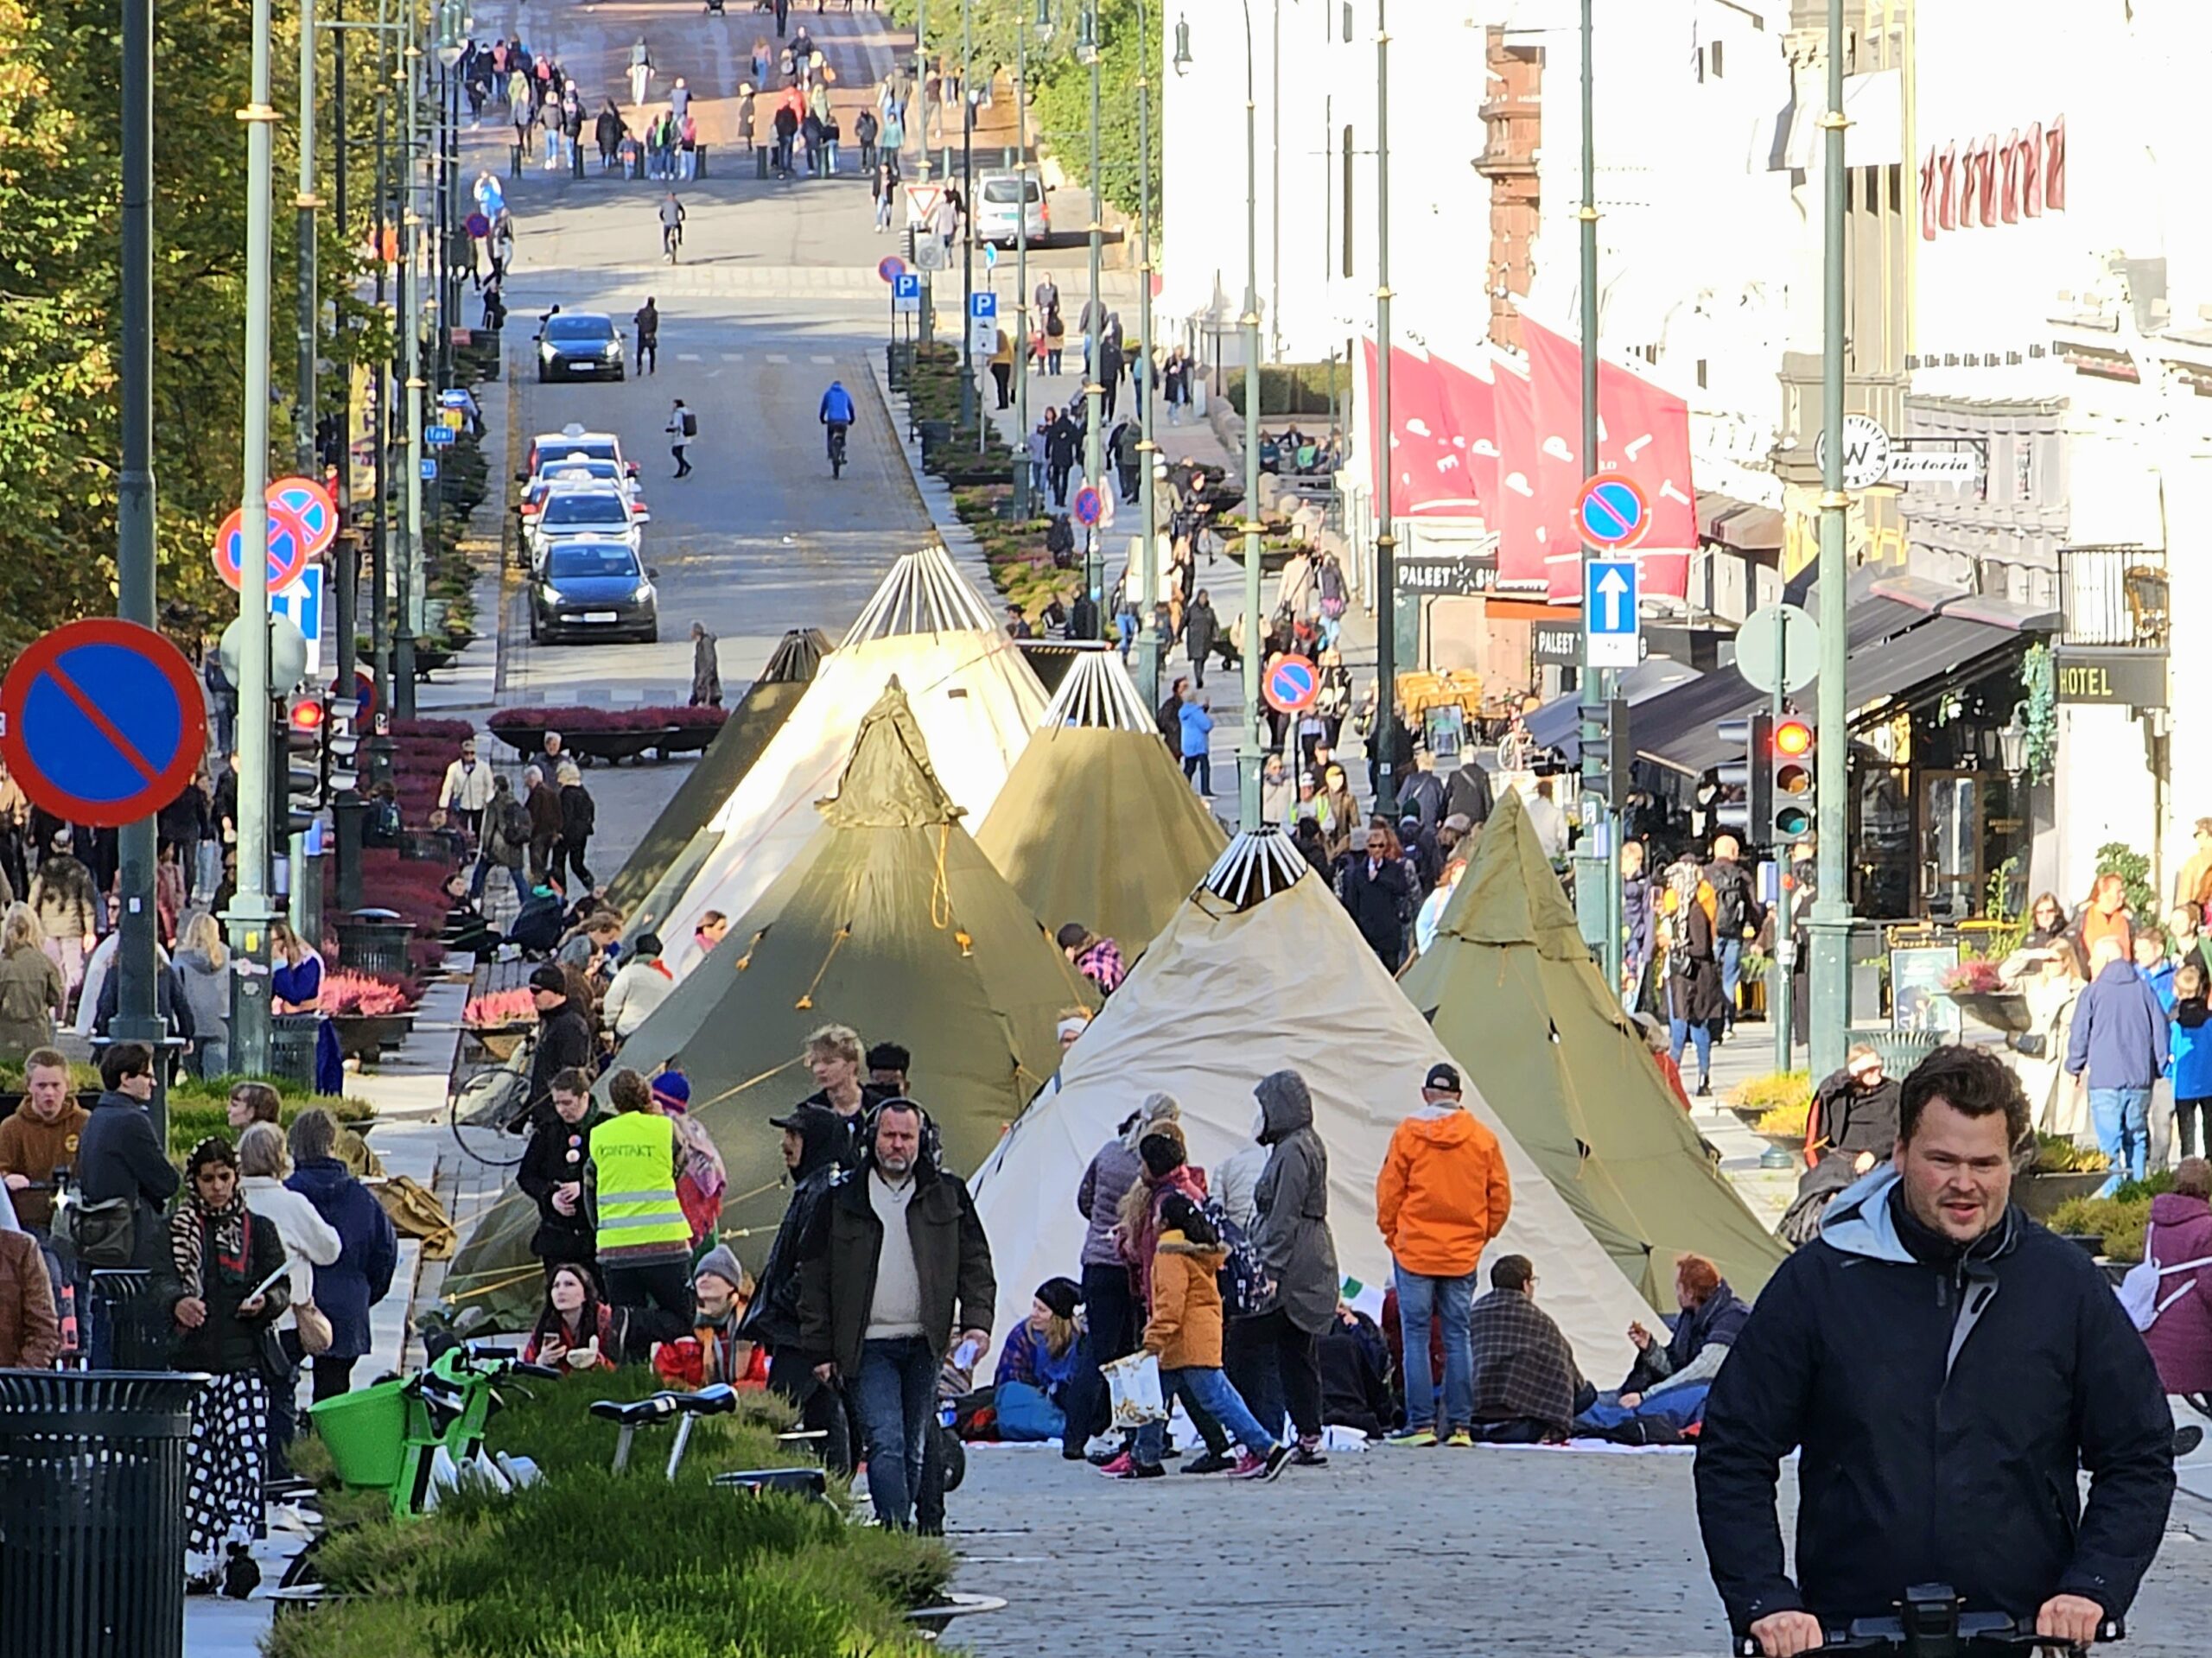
{"points": [[675, 841], [1511, 991], [1095, 824], [975, 697], [1259, 968], [890, 921]]}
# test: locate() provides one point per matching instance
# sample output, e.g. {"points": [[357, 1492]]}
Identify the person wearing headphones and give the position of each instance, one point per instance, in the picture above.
{"points": [[893, 1261]]}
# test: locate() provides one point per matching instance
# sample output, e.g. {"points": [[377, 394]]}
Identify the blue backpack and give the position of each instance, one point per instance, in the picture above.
{"points": [[1240, 1276]]}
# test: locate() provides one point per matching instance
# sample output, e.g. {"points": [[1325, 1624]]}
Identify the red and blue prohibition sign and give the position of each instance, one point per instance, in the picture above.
{"points": [[102, 723]]}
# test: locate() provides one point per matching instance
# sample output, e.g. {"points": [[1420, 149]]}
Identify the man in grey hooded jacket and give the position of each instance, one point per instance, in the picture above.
{"points": [[1274, 1349]]}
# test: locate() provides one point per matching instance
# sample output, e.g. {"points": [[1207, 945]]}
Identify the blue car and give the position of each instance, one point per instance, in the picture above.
{"points": [[593, 589]]}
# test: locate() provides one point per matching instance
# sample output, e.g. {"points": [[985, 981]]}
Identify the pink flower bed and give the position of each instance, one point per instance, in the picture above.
{"points": [[1975, 978], [501, 1008], [373, 994], [581, 720]]}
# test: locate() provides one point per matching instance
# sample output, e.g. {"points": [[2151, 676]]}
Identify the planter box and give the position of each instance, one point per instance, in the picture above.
{"points": [[525, 735], [2040, 1195], [1794, 1144], [366, 1036], [2001, 1010]]}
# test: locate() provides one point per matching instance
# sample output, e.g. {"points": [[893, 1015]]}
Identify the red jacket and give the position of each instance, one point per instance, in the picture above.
{"points": [[2181, 1340]]}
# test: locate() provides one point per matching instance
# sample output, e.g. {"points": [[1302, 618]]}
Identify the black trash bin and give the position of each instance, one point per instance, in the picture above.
{"points": [[374, 941], [127, 1330], [291, 1049], [92, 1535]]}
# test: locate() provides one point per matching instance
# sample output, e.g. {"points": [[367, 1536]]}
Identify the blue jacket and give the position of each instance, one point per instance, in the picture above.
{"points": [[2191, 1032], [1198, 729], [368, 1252], [2120, 1031], [837, 406]]}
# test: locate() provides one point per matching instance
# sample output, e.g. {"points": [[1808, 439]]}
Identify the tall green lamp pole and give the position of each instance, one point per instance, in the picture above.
{"points": [[1094, 389], [1830, 925], [1385, 732], [1149, 561]]}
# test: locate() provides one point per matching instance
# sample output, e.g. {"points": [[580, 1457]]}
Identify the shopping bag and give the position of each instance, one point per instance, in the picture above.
{"points": [[1134, 1385]]}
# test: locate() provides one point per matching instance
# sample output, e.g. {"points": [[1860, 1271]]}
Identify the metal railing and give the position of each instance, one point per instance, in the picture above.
{"points": [[2114, 595]]}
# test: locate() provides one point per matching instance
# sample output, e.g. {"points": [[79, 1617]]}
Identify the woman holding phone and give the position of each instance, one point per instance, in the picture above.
{"points": [[575, 1332], [223, 1286]]}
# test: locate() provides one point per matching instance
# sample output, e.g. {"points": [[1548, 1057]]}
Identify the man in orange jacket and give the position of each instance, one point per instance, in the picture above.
{"points": [[1442, 1195]]}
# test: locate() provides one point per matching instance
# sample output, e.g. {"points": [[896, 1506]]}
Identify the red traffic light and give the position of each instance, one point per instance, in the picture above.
{"points": [[1793, 738], [305, 716]]}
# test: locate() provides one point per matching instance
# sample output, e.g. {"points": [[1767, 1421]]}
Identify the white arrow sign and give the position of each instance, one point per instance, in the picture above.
{"points": [[1612, 587], [1609, 619]]}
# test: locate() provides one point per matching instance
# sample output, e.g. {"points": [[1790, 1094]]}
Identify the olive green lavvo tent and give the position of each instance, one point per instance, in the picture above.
{"points": [[890, 921], [676, 836], [1095, 824], [1510, 989]]}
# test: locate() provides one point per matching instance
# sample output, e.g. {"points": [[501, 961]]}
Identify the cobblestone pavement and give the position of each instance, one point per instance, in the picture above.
{"points": [[1391, 1552]]}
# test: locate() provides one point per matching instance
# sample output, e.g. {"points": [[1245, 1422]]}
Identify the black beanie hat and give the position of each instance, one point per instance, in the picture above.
{"points": [[1062, 1295], [1162, 1155]]}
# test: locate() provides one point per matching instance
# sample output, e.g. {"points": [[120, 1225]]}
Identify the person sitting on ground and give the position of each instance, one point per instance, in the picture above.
{"points": [[1043, 1356], [576, 1331], [715, 1351], [1098, 959], [1526, 1385], [1356, 1374], [640, 985], [1184, 1332], [1666, 1387], [536, 930]]}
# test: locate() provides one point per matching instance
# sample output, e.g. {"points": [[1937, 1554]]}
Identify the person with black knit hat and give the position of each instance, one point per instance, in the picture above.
{"points": [[1045, 1354]]}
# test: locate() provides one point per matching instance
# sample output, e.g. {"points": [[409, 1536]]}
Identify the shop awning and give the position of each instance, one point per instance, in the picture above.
{"points": [[1895, 649], [1740, 525], [1558, 723]]}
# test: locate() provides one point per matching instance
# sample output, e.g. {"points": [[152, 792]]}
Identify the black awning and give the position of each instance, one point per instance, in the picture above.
{"points": [[1558, 723], [1679, 730]]}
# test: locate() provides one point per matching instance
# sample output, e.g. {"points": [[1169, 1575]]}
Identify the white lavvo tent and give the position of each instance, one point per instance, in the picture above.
{"points": [[1261, 969], [973, 693]]}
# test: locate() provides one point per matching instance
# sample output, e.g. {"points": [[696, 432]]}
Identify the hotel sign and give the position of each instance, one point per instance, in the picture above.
{"points": [[2134, 679]]}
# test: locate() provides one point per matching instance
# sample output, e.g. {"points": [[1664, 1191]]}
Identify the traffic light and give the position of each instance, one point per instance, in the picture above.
{"points": [[1746, 781], [1790, 788], [341, 750], [307, 719], [1605, 753]]}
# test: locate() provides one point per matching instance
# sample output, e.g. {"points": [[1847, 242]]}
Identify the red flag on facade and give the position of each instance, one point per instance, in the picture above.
{"points": [[1427, 460], [1471, 406], [1520, 554], [1643, 431]]}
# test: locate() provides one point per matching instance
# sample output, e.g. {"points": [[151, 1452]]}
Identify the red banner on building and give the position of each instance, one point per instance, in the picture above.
{"points": [[1428, 448], [1520, 554]]}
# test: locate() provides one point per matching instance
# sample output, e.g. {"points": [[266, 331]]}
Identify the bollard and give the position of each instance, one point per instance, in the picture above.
{"points": [[576, 160], [761, 163], [93, 1465], [699, 162], [514, 161]]}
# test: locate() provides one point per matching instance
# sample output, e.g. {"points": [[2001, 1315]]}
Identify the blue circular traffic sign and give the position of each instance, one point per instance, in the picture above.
{"points": [[310, 502], [1089, 507], [102, 723], [1611, 511], [890, 267], [1292, 683]]}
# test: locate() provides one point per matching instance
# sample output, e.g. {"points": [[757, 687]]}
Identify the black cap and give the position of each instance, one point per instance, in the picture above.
{"points": [[549, 977], [799, 1116], [1444, 1079]]}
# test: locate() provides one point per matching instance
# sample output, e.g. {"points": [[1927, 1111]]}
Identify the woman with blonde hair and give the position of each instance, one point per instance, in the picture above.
{"points": [[202, 965], [295, 986], [32, 994]]}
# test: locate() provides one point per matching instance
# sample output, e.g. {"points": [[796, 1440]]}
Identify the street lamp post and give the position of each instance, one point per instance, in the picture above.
{"points": [[136, 1008], [1830, 923], [971, 401], [1249, 748], [410, 323], [1021, 174], [249, 914], [304, 203], [1385, 732], [1149, 565], [1094, 388]]}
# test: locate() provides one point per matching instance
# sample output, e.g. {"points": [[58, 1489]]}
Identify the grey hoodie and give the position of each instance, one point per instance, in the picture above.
{"points": [[1292, 1200], [205, 989]]}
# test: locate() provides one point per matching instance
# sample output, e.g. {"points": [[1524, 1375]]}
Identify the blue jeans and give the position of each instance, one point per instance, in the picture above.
{"points": [[1731, 951], [892, 1395], [2122, 1119], [1203, 1390], [1681, 1030], [1125, 624], [1450, 1300], [484, 867]]}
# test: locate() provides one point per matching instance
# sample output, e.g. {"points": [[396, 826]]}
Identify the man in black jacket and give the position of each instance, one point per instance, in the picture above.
{"points": [[814, 1144], [564, 1043], [1945, 1364], [552, 1174], [1377, 891], [893, 1259], [1736, 917], [120, 1156]]}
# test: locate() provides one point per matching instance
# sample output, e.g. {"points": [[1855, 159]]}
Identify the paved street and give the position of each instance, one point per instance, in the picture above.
{"points": [[1383, 1553]]}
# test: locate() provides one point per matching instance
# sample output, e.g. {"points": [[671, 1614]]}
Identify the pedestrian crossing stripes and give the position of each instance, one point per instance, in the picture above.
{"points": [[689, 357], [778, 356]]}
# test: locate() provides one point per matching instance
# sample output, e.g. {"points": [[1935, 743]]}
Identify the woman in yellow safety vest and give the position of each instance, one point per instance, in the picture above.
{"points": [[644, 1240]]}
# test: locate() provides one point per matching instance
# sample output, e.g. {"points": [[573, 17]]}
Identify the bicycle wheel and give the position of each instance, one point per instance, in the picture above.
{"points": [[484, 1107]]}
